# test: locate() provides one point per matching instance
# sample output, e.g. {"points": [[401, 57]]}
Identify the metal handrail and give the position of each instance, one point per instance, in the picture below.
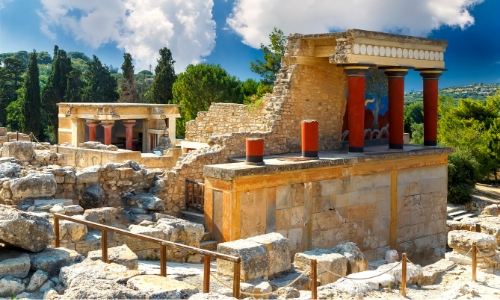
{"points": [[163, 251]]}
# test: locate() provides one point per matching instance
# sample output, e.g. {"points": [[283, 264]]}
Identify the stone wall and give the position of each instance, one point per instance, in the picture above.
{"points": [[320, 204]]}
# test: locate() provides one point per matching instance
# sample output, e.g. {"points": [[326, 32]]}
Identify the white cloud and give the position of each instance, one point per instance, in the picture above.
{"points": [[253, 20], [3, 2], [140, 27]]}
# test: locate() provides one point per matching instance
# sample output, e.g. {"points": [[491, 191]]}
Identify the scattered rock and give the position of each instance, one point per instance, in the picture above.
{"points": [[9, 170], [14, 263], [14, 224], [36, 185], [414, 273], [326, 262], [430, 272], [10, 285], [278, 248], [23, 151], [87, 288], [71, 231], [149, 202], [391, 256], [263, 289], [37, 280], [121, 255], [158, 287], [52, 260], [254, 259], [357, 261], [211, 296], [288, 292], [92, 197]]}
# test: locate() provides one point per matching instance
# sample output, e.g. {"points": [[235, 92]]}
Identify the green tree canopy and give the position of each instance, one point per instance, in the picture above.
{"points": [[128, 84], [100, 85], [74, 86], [414, 114], [78, 55], [272, 54], [44, 58], [30, 102], [161, 89], [11, 80], [473, 126], [199, 86]]}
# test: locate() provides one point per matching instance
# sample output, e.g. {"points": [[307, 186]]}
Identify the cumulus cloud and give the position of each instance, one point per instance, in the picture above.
{"points": [[253, 20], [140, 27]]}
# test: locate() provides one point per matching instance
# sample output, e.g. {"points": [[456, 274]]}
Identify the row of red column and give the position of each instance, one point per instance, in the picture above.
{"points": [[356, 106], [108, 126]]}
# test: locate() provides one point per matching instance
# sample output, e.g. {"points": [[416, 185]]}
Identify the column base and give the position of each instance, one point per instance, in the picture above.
{"points": [[396, 146], [310, 154], [430, 143], [356, 149]]}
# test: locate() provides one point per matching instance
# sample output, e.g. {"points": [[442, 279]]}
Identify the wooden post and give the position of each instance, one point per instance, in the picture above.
{"points": [[403, 275], [236, 280], [206, 274], [474, 251], [56, 231], [314, 279], [104, 245], [163, 260]]}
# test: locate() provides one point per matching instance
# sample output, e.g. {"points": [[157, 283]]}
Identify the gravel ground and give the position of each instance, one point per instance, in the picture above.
{"points": [[456, 283]]}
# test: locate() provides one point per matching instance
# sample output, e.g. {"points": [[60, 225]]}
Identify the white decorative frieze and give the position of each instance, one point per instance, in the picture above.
{"points": [[397, 52]]}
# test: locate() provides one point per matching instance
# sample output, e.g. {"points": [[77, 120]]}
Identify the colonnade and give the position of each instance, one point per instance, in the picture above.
{"points": [[356, 105], [108, 126]]}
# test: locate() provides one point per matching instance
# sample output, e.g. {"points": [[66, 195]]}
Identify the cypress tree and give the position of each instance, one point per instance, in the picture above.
{"points": [[164, 78], [100, 85], [74, 86], [55, 89], [129, 92], [30, 104]]}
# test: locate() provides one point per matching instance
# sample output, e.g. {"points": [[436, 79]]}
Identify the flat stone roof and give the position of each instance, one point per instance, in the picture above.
{"points": [[352, 33], [330, 158], [114, 104]]}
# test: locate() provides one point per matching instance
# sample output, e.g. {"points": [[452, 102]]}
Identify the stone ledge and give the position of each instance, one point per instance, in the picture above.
{"points": [[331, 158]]}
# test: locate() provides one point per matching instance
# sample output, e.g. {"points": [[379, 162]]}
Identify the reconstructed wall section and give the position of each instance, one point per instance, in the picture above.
{"points": [[381, 202]]}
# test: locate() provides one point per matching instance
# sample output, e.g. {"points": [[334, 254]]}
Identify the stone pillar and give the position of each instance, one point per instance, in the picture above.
{"points": [[396, 78], [92, 129], [145, 135], [356, 106], [430, 78], [255, 151], [129, 124], [108, 126], [77, 131], [310, 138]]}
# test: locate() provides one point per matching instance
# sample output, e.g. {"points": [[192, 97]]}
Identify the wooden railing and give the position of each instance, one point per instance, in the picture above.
{"points": [[193, 194], [163, 250]]}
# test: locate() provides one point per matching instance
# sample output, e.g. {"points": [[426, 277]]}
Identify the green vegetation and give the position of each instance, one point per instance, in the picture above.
{"points": [[272, 54], [30, 99], [128, 84], [162, 88]]}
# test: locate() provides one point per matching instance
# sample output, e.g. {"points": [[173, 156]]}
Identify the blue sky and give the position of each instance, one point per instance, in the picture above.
{"points": [[229, 32]]}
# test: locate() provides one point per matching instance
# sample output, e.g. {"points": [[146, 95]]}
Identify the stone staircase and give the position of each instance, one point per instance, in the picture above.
{"points": [[207, 242], [457, 213]]}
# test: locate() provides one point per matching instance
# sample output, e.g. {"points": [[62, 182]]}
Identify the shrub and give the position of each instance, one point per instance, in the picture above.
{"points": [[463, 173]]}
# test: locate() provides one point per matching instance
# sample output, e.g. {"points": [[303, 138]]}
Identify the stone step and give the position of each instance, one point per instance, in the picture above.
{"points": [[209, 245], [194, 217], [207, 236], [456, 213], [458, 218]]}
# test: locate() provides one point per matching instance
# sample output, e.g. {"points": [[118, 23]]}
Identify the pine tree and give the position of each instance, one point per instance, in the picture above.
{"points": [[129, 92], [164, 78], [55, 89], [30, 104]]}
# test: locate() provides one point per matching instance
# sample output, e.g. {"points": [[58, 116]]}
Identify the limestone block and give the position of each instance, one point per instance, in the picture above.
{"points": [[37, 280], [263, 289], [414, 273], [254, 259], [149, 202], [461, 241], [92, 241], [391, 256], [15, 224], [99, 289], [212, 296], [278, 248], [10, 170], [157, 287], [288, 293], [121, 255], [360, 287], [52, 260], [430, 272], [71, 231], [490, 210], [71, 210], [102, 215], [14, 263], [88, 175], [92, 197], [176, 229], [326, 260], [3, 131], [33, 186], [136, 245], [491, 226], [10, 285], [23, 151], [357, 261]]}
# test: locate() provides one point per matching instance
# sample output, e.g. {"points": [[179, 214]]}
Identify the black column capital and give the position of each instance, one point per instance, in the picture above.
{"points": [[356, 71]]}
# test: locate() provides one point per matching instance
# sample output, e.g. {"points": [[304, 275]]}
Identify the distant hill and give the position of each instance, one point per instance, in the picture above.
{"points": [[477, 91]]}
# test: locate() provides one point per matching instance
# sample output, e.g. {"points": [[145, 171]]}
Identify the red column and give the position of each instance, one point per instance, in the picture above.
{"points": [[310, 138], [356, 107], [107, 131], [396, 78], [430, 106], [129, 124], [92, 129], [255, 151]]}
